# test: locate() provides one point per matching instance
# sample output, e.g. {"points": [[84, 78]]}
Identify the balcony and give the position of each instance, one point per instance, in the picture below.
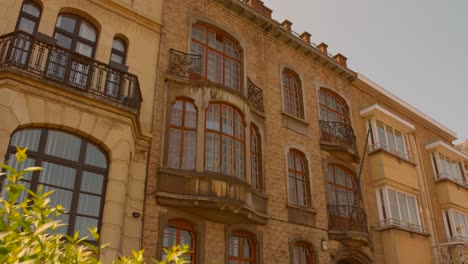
{"points": [[347, 223], [39, 56], [215, 197], [451, 253], [338, 137], [188, 67]]}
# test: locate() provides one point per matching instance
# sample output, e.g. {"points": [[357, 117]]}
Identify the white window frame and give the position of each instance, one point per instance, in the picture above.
{"points": [[460, 178], [451, 230], [389, 219], [377, 144]]}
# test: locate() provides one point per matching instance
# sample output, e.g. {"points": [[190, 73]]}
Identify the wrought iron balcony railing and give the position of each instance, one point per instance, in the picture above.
{"points": [[189, 67], [337, 132], [346, 218], [46, 60]]}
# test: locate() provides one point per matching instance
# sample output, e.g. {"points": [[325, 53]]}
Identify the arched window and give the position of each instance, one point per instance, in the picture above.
{"points": [[28, 18], [242, 248], [182, 135], [332, 107], [341, 186], [224, 140], [255, 158], [292, 92], [221, 55], [298, 179], [74, 168], [119, 51], [302, 253], [180, 232]]}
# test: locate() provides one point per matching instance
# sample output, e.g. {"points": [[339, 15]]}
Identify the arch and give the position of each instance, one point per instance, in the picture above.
{"points": [[78, 12], [119, 49], [236, 247], [179, 231], [333, 107], [248, 230], [29, 16], [351, 256], [74, 167], [212, 42]]}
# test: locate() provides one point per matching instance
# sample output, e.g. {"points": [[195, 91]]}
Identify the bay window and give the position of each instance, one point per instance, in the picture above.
{"points": [[445, 167], [398, 209], [456, 225], [390, 139]]}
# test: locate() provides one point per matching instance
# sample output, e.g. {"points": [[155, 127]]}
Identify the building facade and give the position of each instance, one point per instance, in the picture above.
{"points": [[74, 91], [206, 122], [271, 150]]}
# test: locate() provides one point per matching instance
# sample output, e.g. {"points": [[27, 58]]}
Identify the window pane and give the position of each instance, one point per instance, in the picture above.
{"points": [[292, 189], [63, 145], [31, 9], [95, 156], [399, 142], [84, 49], [92, 182], [246, 248], [174, 148], [176, 113], [213, 117], [381, 133], [26, 138], [390, 137], [83, 223], [57, 175], [87, 31], [392, 197], [66, 23], [189, 150], [89, 205], [403, 207], [190, 115], [212, 152], [412, 210], [27, 25], [117, 58], [59, 197], [119, 45], [234, 246], [170, 236]]}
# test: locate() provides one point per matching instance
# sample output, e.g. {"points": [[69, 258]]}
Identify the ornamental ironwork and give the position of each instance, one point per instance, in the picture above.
{"points": [[41, 57], [347, 218], [185, 65], [337, 132], [255, 96], [451, 253]]}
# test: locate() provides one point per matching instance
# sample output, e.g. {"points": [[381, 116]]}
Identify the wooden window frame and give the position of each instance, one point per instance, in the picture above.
{"points": [[75, 36], [40, 156], [328, 109], [240, 259], [220, 134], [29, 16], [296, 174], [256, 154], [290, 93], [309, 252], [179, 225], [354, 189], [182, 128], [223, 54]]}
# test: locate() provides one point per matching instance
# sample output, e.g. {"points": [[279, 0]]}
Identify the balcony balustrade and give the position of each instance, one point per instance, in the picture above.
{"points": [[451, 253], [344, 218], [38, 55], [338, 136], [189, 68]]}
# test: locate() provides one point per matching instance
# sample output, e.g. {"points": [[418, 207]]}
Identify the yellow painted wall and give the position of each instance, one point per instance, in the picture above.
{"points": [[401, 247], [386, 167], [451, 193]]}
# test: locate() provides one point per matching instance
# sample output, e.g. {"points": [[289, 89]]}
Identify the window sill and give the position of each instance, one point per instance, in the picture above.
{"points": [[304, 208], [398, 157], [402, 228], [294, 123]]}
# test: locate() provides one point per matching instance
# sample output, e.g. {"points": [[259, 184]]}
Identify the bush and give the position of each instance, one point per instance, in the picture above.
{"points": [[27, 228]]}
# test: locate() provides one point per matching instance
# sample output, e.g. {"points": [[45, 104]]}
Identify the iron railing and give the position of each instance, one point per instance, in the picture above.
{"points": [[346, 218], [451, 253], [189, 67], [49, 61], [337, 132], [397, 222]]}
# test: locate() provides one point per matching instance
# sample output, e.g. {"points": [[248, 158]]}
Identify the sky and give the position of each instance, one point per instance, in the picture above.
{"points": [[415, 49]]}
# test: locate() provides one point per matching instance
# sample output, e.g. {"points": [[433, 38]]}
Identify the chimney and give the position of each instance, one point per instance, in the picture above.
{"points": [[286, 24], [260, 7], [323, 48], [305, 36], [340, 59]]}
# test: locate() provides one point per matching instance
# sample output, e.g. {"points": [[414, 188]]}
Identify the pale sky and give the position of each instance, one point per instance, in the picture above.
{"points": [[416, 49]]}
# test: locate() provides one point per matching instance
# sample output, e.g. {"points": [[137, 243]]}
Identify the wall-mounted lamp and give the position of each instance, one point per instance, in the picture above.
{"points": [[136, 215], [324, 244]]}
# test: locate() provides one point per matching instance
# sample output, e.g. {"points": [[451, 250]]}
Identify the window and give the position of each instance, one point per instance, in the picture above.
{"points": [[73, 167], [224, 139], [456, 224], [180, 232], [298, 179], [76, 34], [182, 135], [221, 55], [241, 248], [119, 51], [447, 168], [255, 158], [397, 208], [292, 94], [391, 140], [332, 107], [342, 187], [28, 18], [302, 253]]}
